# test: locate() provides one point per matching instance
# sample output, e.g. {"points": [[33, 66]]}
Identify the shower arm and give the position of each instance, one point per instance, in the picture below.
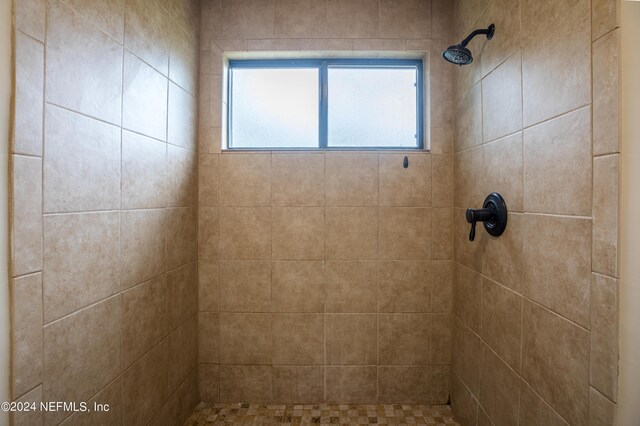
{"points": [[488, 31]]}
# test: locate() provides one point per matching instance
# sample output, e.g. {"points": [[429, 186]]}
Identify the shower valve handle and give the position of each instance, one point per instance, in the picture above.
{"points": [[493, 215]]}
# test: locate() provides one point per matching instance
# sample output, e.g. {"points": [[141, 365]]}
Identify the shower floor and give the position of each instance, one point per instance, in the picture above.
{"points": [[225, 414]]}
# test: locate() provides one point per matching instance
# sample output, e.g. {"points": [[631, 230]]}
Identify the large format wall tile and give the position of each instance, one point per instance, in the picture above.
{"points": [[182, 178], [146, 32], [144, 104], [351, 179], [82, 354], [351, 233], [502, 100], [499, 389], [142, 245], [555, 361], [297, 179], [298, 339], [245, 383], [405, 18], [81, 163], [410, 187], [535, 411], [144, 169], [294, 384], [181, 235], [30, 17], [557, 265], [245, 179], [182, 352], [428, 384], [606, 214], [552, 85], [245, 233], [245, 286], [605, 16], [298, 233], [244, 19], [351, 286], [405, 233], [81, 261], [181, 295], [603, 340], [297, 286], [350, 385], [341, 25], [507, 40], [351, 339], [404, 339], [404, 286], [107, 15], [606, 93], [182, 118], [29, 93], [245, 339], [74, 47]]}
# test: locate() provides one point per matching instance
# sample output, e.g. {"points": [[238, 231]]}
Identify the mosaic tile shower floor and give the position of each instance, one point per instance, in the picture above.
{"points": [[225, 414]]}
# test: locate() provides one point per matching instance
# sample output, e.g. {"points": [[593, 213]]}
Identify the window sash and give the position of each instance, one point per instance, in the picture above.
{"points": [[322, 65]]}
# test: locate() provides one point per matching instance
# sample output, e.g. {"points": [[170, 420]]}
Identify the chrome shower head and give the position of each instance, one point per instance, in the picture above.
{"points": [[459, 54]]}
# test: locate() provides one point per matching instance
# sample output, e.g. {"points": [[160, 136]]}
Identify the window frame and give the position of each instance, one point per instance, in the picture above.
{"points": [[323, 64]]}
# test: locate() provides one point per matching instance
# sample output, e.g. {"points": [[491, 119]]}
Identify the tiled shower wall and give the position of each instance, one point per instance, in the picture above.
{"points": [[324, 276], [104, 209], [537, 120]]}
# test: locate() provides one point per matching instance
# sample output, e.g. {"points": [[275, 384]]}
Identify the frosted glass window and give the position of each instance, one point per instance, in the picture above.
{"points": [[274, 108], [316, 103], [372, 107]]}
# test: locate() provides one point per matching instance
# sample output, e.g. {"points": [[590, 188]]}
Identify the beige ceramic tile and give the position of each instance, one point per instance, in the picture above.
{"points": [[245, 339], [208, 288], [557, 154], [504, 170], [546, 73], [182, 352], [441, 338], [405, 233], [502, 322], [110, 396], [603, 340], [298, 339], [463, 403], [81, 164], [351, 179], [182, 179], [297, 179], [107, 15], [351, 286], [245, 286], [379, 44], [182, 118], [29, 417], [405, 286], [208, 235], [601, 410], [502, 100], [297, 19], [144, 318], [245, 19], [468, 253], [405, 19], [245, 383], [326, 44], [404, 339], [209, 382], [441, 285], [298, 233], [27, 238], [142, 245], [245, 179], [606, 93], [467, 348], [350, 385], [26, 333], [81, 261], [442, 19], [499, 389], [181, 236], [297, 286], [503, 258], [557, 267], [341, 25], [467, 296], [144, 103], [298, 385], [555, 361], [535, 411], [413, 384], [183, 59], [470, 178], [144, 386], [507, 39], [245, 233], [410, 187], [605, 16], [146, 33], [30, 17], [351, 233], [181, 403], [144, 170], [182, 295], [274, 45], [77, 48], [207, 180], [29, 92], [208, 337], [606, 199], [442, 229], [442, 181], [351, 339], [469, 119], [88, 340]]}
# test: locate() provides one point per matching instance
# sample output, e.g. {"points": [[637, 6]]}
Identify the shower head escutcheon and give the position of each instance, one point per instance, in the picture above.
{"points": [[459, 54]]}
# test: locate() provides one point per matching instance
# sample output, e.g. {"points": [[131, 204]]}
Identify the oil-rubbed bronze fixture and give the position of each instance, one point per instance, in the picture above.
{"points": [[493, 215]]}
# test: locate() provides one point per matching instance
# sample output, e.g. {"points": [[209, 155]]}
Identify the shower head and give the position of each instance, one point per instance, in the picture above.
{"points": [[459, 54]]}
